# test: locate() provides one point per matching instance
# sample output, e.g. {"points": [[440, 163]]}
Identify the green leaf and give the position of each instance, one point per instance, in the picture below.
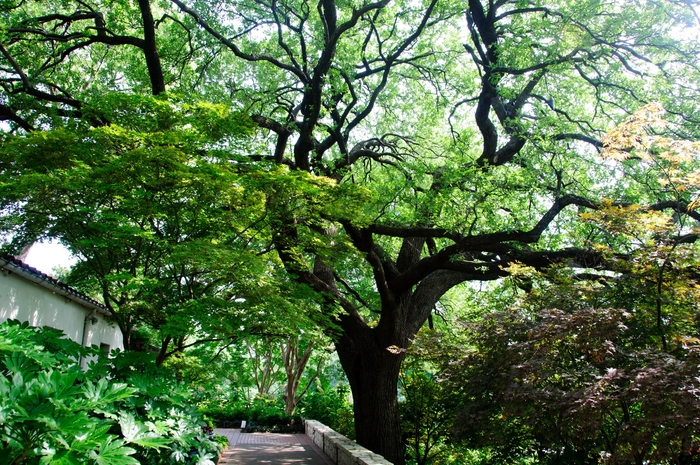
{"points": [[61, 457], [205, 459], [113, 452], [106, 392], [138, 433]]}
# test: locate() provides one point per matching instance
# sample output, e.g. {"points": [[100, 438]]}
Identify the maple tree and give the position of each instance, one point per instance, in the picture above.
{"points": [[600, 364]]}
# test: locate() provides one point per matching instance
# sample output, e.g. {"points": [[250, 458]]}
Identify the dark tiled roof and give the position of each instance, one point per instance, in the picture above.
{"points": [[13, 264]]}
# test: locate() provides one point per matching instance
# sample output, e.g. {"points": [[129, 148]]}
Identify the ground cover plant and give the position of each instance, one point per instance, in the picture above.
{"points": [[51, 411]]}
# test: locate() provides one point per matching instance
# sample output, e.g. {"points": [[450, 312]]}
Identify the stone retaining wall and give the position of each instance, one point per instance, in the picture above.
{"points": [[340, 449]]}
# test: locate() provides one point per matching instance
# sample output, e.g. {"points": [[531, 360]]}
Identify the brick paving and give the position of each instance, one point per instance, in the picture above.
{"points": [[270, 449]]}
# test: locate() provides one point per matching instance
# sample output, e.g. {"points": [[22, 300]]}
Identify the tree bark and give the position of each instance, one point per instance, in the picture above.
{"points": [[373, 373], [150, 50], [294, 366]]}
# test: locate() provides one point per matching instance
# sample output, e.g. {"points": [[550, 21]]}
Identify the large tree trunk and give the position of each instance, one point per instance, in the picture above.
{"points": [[371, 356], [373, 373]]}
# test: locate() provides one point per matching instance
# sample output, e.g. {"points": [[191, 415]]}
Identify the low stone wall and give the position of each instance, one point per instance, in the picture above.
{"points": [[340, 449]]}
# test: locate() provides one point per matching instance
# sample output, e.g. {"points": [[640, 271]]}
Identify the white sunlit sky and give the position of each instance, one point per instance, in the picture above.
{"points": [[45, 256]]}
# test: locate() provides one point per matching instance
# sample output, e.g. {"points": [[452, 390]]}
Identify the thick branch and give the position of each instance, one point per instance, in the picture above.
{"points": [[155, 71], [442, 259], [8, 114], [31, 90]]}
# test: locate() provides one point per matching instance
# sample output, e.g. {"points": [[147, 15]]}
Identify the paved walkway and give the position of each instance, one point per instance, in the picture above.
{"points": [[270, 449]]}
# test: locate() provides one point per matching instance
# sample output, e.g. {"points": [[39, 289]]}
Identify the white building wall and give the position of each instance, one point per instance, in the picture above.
{"points": [[23, 300], [104, 332]]}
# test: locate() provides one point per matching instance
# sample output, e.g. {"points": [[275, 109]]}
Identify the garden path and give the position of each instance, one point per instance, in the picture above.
{"points": [[270, 449]]}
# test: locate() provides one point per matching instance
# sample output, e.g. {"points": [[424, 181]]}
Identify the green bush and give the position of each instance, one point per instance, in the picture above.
{"points": [[118, 412], [330, 408], [260, 412], [221, 441], [226, 416]]}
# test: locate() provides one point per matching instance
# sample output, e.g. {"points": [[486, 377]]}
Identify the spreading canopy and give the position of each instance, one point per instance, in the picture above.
{"points": [[477, 126]]}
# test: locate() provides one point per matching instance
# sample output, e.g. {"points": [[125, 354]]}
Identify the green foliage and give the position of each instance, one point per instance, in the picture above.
{"points": [[168, 227], [142, 206], [215, 376], [51, 411], [222, 441], [331, 407], [427, 407], [264, 412], [259, 412], [590, 367]]}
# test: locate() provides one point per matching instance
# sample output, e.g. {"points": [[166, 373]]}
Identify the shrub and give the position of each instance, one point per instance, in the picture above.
{"points": [[330, 408], [259, 413], [51, 411], [225, 416], [221, 441]]}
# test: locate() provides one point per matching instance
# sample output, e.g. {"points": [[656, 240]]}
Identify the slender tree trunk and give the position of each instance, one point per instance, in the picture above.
{"points": [[163, 353], [294, 366], [126, 328]]}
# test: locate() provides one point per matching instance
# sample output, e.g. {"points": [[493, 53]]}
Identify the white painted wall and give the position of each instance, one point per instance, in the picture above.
{"points": [[24, 300]]}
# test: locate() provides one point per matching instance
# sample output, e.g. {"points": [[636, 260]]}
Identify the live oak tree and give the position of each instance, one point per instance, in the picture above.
{"points": [[475, 124]]}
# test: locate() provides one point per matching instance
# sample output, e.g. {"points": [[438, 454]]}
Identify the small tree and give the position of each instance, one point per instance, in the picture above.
{"points": [[263, 358], [149, 218], [600, 363], [428, 407], [295, 363], [169, 232]]}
